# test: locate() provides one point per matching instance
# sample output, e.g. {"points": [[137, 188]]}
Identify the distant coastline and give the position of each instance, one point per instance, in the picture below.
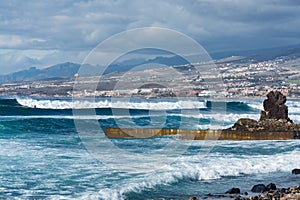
{"points": [[238, 78]]}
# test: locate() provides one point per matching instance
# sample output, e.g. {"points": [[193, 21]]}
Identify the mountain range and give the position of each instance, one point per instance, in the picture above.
{"points": [[68, 69]]}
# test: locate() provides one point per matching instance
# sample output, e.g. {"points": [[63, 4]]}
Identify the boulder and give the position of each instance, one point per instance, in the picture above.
{"points": [[296, 134], [245, 124], [296, 171], [259, 188], [271, 186], [277, 125], [233, 191]]}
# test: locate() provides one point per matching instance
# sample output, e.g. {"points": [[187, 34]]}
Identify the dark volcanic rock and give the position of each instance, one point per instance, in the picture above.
{"points": [[274, 107], [274, 118], [292, 193], [271, 186], [259, 188], [296, 134], [277, 125], [296, 171], [245, 124], [233, 191]]}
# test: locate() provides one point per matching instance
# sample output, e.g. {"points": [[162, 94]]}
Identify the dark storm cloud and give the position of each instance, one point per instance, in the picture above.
{"points": [[69, 26]]}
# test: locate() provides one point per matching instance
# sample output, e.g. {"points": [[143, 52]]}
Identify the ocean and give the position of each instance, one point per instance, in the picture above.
{"points": [[54, 148]]}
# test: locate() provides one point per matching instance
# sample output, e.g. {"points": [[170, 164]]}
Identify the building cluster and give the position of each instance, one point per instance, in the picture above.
{"points": [[234, 79], [254, 79]]}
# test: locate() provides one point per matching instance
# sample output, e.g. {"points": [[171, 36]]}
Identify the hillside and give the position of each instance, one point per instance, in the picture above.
{"points": [[64, 70], [68, 69]]}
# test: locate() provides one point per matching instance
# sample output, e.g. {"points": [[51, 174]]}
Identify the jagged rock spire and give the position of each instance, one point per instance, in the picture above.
{"points": [[274, 107]]}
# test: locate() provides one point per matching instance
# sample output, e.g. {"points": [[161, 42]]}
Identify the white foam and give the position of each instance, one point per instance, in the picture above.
{"points": [[293, 106], [81, 104], [226, 117], [213, 167], [212, 126], [231, 117], [295, 118], [83, 117], [293, 103], [256, 105], [248, 144]]}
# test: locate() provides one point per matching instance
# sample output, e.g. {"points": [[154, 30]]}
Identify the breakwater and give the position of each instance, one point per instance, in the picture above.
{"points": [[199, 134]]}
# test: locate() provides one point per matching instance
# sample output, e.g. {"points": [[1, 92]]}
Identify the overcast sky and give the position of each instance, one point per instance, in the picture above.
{"points": [[42, 33]]}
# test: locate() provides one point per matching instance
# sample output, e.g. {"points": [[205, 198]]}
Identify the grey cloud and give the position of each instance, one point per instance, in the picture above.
{"points": [[72, 26]]}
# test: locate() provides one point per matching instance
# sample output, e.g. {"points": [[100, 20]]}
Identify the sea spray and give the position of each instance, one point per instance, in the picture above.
{"points": [[105, 103]]}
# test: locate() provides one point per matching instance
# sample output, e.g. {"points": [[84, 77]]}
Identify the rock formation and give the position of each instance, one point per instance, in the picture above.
{"points": [[259, 188], [233, 191], [273, 118], [296, 171], [273, 193], [274, 107]]}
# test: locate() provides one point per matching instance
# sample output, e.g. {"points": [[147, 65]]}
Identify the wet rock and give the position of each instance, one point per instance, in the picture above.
{"points": [[296, 171], [245, 124], [259, 188], [296, 135], [292, 193], [233, 191], [271, 186], [281, 125], [274, 118], [283, 190], [192, 198]]}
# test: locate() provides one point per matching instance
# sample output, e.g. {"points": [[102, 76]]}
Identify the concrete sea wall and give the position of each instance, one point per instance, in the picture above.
{"points": [[198, 134]]}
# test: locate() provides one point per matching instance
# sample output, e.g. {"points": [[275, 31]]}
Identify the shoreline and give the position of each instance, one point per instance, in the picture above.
{"points": [[290, 193], [257, 192]]}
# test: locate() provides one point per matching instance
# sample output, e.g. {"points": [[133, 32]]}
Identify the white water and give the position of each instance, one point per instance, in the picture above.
{"points": [[35, 157], [293, 106], [48, 162], [214, 166], [81, 104]]}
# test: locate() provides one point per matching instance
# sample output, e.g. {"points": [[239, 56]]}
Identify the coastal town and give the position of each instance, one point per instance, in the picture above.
{"points": [[234, 77]]}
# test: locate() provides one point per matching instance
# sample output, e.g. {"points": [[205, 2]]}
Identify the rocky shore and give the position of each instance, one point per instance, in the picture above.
{"points": [[259, 192], [292, 193], [274, 118], [269, 192]]}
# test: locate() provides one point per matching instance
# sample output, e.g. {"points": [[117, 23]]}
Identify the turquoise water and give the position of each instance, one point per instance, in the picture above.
{"points": [[48, 151]]}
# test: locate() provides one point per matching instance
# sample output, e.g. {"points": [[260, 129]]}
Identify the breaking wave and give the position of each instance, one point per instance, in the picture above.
{"points": [[83, 104], [214, 167]]}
